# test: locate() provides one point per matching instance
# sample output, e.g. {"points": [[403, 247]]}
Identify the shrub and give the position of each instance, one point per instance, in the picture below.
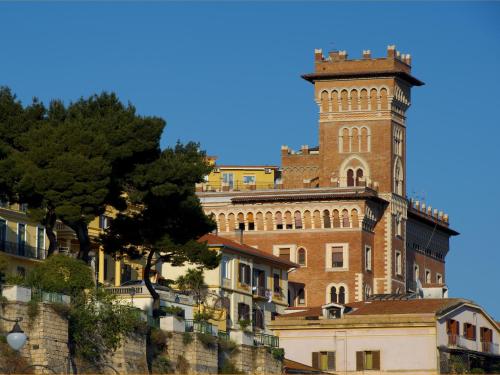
{"points": [[244, 323], [203, 316], [228, 345], [182, 365], [207, 340], [278, 353], [187, 338], [228, 367], [161, 365], [477, 370]]}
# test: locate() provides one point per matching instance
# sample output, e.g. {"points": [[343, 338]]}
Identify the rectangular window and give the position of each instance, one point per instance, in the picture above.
{"points": [[439, 278], [244, 274], [225, 268], [21, 238], [284, 253], [368, 258], [428, 279], [249, 180], [399, 263], [368, 360], [469, 331], [40, 240], [3, 234], [337, 257], [228, 179], [243, 311], [324, 361], [276, 284]]}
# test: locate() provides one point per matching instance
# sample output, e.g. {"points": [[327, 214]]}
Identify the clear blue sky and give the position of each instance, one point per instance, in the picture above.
{"points": [[227, 75]]}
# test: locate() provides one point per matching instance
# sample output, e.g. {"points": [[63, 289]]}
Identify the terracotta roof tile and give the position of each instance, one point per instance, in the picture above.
{"points": [[213, 240]]}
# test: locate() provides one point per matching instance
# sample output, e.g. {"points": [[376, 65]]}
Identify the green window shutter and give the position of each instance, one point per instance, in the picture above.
{"points": [[359, 361], [331, 360], [315, 360], [376, 360]]}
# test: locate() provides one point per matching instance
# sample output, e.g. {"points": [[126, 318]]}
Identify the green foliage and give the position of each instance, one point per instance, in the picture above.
{"points": [[61, 274], [182, 366], [173, 310], [193, 281], [33, 309], [61, 309], [207, 340], [228, 346], [477, 370], [228, 367], [202, 316], [161, 365], [187, 338], [278, 353], [11, 279], [158, 338], [244, 324]]}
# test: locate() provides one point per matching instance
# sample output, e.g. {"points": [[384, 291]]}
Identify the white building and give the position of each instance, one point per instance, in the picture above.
{"points": [[428, 336]]}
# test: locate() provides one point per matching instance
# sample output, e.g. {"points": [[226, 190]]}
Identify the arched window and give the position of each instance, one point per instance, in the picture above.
{"points": [[342, 295], [231, 222], [222, 222], [335, 101], [325, 103], [333, 295], [359, 176], [354, 100], [354, 218], [345, 219], [301, 297], [344, 100], [336, 219], [298, 220], [269, 220], [355, 140], [301, 256], [373, 100], [326, 219], [259, 221], [288, 220], [279, 220], [364, 99], [250, 221], [307, 220], [350, 177], [317, 219], [241, 221]]}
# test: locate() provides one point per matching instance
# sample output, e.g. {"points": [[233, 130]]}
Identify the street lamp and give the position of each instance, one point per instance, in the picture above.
{"points": [[16, 338]]}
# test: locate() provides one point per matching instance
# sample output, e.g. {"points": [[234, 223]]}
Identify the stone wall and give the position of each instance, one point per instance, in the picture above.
{"points": [[130, 357], [47, 333]]}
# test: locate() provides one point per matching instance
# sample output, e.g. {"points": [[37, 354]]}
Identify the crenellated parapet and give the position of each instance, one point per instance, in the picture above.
{"points": [[428, 211]]}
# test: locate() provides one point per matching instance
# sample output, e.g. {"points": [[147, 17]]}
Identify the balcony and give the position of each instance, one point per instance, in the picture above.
{"points": [[22, 250], [260, 292], [200, 327], [236, 186], [262, 339], [489, 347]]}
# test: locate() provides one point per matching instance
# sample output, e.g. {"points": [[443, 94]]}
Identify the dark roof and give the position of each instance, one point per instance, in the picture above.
{"points": [[213, 240], [416, 214], [312, 77], [293, 367]]}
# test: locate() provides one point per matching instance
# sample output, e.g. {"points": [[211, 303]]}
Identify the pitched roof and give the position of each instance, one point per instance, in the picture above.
{"points": [[293, 367], [385, 307], [214, 240]]}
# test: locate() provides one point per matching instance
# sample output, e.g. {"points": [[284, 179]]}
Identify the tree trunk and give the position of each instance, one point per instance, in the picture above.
{"points": [[50, 223], [149, 285], [82, 233]]}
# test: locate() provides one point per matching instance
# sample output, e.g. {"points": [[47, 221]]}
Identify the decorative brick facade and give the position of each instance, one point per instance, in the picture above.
{"points": [[346, 199]]}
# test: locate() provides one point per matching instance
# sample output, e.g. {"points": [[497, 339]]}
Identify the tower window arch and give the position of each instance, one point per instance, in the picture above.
{"points": [[301, 256], [359, 176], [342, 295], [350, 177], [333, 295]]}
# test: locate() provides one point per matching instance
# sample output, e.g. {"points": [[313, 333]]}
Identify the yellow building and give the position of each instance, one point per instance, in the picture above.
{"points": [[21, 239], [240, 177], [248, 284]]}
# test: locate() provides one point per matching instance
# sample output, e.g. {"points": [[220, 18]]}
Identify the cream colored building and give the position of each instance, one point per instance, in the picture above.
{"points": [[22, 240], [421, 336], [248, 284]]}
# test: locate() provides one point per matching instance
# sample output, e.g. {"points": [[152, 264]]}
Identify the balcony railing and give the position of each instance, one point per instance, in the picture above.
{"points": [[489, 347], [22, 249], [199, 326], [260, 291], [261, 339], [236, 186]]}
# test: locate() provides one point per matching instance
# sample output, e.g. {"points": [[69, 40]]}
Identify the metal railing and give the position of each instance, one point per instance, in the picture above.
{"points": [[223, 335], [51, 297], [489, 347], [22, 249], [262, 339], [236, 186], [199, 326]]}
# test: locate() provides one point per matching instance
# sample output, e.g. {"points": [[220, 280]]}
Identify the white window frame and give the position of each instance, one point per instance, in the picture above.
{"points": [[252, 176], [43, 244], [368, 258], [439, 278], [225, 268], [398, 264], [293, 251], [430, 276], [328, 257]]}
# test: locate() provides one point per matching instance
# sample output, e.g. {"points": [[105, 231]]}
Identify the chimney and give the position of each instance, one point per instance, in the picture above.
{"points": [[318, 54], [367, 54], [391, 51], [343, 55]]}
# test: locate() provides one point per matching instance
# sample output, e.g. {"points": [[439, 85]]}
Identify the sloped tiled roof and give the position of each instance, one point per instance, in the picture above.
{"points": [[293, 367], [213, 240]]}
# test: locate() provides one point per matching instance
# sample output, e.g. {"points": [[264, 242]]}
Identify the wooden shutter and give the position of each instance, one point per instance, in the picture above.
{"points": [[359, 361], [331, 360], [315, 360], [376, 360]]}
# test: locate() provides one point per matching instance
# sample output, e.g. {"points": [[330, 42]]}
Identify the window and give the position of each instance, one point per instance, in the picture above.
{"points": [[3, 233], [439, 278], [243, 311], [40, 240], [342, 295], [279, 220], [428, 276], [368, 258], [276, 284], [21, 238], [259, 282], [368, 360], [399, 263], [333, 295], [486, 334], [326, 219], [284, 253], [469, 331], [301, 297], [359, 176], [345, 219], [324, 361], [337, 257], [350, 177], [399, 225], [225, 268], [104, 221], [126, 273], [228, 180], [258, 319], [249, 180], [452, 327], [244, 274], [416, 272], [301, 257]]}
